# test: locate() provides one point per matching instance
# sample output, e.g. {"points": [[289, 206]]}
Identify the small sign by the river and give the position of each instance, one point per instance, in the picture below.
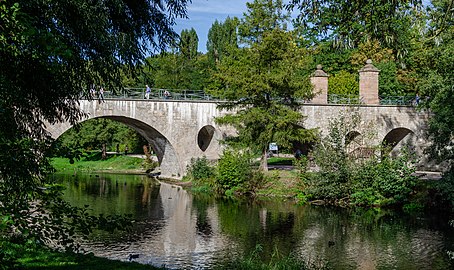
{"points": [[273, 147]]}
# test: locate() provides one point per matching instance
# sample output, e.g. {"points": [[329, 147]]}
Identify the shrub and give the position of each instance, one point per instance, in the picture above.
{"points": [[444, 190], [385, 181], [200, 171], [234, 170], [149, 165]]}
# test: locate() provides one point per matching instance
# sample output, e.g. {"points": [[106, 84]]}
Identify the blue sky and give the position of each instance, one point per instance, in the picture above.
{"points": [[202, 14]]}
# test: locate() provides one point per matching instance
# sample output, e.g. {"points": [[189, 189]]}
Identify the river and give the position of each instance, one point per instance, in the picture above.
{"points": [[181, 230]]}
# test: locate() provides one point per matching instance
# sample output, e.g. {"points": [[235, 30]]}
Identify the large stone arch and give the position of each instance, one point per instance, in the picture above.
{"points": [[165, 152]]}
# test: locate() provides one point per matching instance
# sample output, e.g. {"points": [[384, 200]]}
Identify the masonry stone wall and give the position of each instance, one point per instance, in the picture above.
{"points": [[174, 128]]}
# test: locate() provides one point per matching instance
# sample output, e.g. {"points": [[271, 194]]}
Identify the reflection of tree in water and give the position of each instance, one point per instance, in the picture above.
{"points": [[110, 194], [200, 205], [259, 224], [369, 239], [362, 239]]}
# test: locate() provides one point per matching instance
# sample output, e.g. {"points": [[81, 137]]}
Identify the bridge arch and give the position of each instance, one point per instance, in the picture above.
{"points": [[205, 136], [397, 138], [165, 152]]}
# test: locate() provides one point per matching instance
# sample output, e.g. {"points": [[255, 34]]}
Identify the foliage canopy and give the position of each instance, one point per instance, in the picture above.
{"points": [[48, 59]]}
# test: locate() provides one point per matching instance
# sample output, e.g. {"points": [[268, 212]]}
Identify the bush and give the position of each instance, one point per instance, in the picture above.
{"points": [[444, 190], [200, 171], [386, 181], [234, 170], [149, 165]]}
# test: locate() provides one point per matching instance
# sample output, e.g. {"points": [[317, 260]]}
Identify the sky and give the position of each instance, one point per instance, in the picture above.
{"points": [[203, 13]]}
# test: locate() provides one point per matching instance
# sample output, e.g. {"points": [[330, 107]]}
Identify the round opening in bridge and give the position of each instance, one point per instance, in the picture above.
{"points": [[204, 137]]}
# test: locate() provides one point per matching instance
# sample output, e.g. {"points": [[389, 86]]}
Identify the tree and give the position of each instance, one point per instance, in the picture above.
{"points": [[265, 85], [92, 134], [221, 37], [436, 80], [347, 23], [343, 83], [189, 42], [436, 86], [262, 16], [51, 52]]}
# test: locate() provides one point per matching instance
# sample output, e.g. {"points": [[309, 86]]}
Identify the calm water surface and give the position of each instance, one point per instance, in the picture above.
{"points": [[184, 231]]}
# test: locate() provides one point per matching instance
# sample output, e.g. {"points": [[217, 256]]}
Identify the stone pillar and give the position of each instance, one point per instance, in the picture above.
{"points": [[319, 80], [368, 84]]}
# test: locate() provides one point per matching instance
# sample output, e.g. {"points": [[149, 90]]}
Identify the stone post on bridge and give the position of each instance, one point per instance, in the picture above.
{"points": [[319, 80], [368, 83]]}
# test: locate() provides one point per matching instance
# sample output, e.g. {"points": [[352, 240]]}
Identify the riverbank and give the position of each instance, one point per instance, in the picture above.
{"points": [[93, 163]]}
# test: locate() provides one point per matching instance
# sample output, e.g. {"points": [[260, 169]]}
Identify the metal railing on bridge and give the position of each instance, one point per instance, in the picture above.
{"points": [[157, 93], [344, 99], [185, 94], [398, 100]]}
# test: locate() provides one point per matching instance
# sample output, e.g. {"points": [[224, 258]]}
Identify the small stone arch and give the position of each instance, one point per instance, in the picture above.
{"points": [[205, 136], [351, 136], [396, 139], [165, 152], [356, 146]]}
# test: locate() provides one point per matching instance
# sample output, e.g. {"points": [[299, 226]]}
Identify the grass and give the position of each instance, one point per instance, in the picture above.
{"points": [[93, 162], [29, 256], [280, 161], [254, 261], [280, 183]]}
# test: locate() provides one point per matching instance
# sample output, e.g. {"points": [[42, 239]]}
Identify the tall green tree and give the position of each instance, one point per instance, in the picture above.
{"points": [[51, 52], [437, 82], [221, 37], [264, 86], [435, 64], [262, 16], [189, 42]]}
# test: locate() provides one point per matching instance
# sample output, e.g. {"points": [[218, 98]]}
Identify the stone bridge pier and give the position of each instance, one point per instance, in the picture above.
{"points": [[177, 131]]}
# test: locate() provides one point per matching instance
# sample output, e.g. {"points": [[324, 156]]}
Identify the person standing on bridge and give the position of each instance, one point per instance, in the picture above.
{"points": [[166, 94], [101, 94], [93, 92], [147, 92]]}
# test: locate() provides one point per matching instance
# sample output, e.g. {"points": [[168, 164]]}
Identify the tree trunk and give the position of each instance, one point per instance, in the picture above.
{"points": [[104, 153], [264, 161]]}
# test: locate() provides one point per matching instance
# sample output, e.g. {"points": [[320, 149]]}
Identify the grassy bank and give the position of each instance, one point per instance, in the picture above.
{"points": [[93, 162], [28, 256]]}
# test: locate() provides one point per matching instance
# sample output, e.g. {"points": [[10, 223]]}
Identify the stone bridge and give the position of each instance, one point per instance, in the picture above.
{"points": [[179, 131]]}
